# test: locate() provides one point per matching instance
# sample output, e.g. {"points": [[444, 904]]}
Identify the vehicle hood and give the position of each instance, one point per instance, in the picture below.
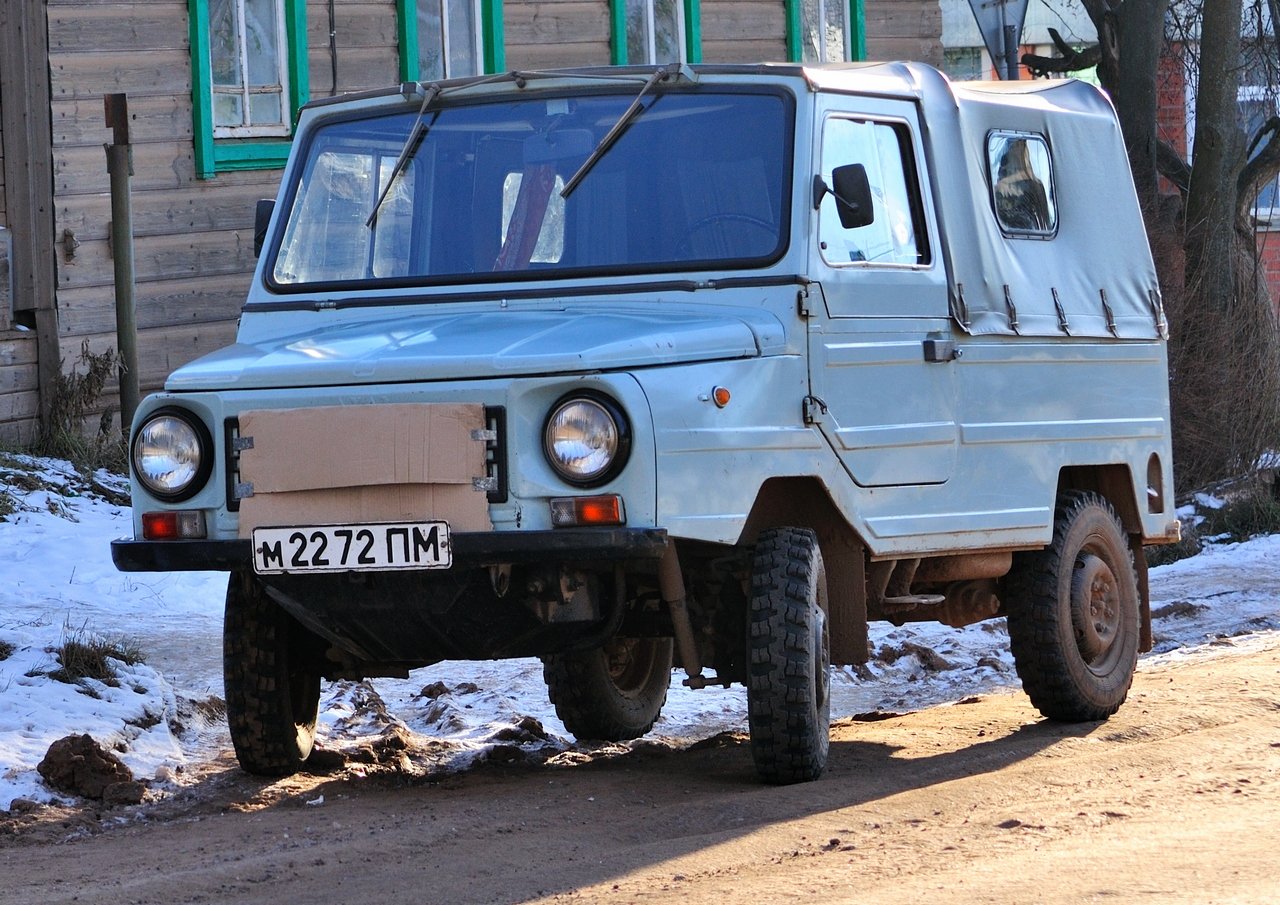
{"points": [[337, 349]]}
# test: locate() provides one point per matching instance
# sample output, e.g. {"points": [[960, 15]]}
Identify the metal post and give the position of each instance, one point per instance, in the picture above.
{"points": [[120, 168], [1011, 52]]}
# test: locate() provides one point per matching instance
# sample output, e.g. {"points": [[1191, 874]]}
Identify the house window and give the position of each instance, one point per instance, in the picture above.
{"points": [[445, 39], [247, 54], [818, 31], [249, 75], [1022, 184], [655, 31], [449, 39]]}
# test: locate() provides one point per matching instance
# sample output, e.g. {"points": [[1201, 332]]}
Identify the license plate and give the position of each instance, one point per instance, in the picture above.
{"points": [[352, 548]]}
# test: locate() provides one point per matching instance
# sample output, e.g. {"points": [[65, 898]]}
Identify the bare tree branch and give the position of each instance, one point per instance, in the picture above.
{"points": [[1262, 168], [1068, 59], [1172, 167]]}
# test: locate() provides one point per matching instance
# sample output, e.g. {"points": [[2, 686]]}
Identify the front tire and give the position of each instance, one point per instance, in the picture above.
{"points": [[270, 667], [1073, 614], [789, 658], [612, 693]]}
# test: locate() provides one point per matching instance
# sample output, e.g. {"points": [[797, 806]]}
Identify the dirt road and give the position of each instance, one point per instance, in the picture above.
{"points": [[1176, 799]]}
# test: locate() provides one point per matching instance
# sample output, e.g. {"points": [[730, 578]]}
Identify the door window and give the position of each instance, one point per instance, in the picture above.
{"points": [[895, 235]]}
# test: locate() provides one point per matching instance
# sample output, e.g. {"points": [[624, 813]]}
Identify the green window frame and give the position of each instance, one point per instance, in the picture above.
{"points": [[855, 33], [493, 56], [619, 54], [217, 155]]}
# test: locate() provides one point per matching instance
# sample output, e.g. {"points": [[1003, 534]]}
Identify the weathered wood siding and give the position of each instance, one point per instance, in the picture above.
{"points": [[904, 30], [19, 396], [556, 33], [743, 31], [193, 239], [366, 49]]}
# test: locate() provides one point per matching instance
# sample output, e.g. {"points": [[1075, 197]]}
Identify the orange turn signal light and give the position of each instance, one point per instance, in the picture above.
{"points": [[575, 511], [720, 396]]}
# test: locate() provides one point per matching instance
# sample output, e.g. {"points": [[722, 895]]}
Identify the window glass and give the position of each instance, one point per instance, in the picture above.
{"points": [[720, 204], [824, 31], [448, 39], [655, 31], [895, 234], [1022, 183], [247, 58]]}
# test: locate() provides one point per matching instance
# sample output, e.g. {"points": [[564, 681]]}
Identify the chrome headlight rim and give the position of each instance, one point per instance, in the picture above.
{"points": [[622, 427], [204, 446]]}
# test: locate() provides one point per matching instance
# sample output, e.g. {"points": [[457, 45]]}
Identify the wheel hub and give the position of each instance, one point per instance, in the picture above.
{"points": [[1095, 604]]}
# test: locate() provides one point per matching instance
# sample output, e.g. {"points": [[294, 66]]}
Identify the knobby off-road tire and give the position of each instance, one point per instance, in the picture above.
{"points": [[612, 693], [270, 671], [789, 657], [1073, 614]]}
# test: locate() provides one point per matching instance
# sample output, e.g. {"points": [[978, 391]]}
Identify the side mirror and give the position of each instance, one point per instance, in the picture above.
{"points": [[853, 196], [261, 220]]}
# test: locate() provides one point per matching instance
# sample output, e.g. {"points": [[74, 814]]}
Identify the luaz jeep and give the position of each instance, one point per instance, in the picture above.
{"points": [[697, 365]]}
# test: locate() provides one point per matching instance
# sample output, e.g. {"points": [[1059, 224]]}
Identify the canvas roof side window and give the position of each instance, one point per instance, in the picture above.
{"points": [[1022, 184]]}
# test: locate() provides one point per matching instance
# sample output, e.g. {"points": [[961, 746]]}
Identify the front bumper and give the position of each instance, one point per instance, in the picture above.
{"points": [[470, 550]]}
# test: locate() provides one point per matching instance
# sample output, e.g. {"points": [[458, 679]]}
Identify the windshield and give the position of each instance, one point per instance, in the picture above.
{"points": [[697, 179]]}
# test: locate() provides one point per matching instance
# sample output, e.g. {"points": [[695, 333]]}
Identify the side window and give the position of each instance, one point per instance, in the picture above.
{"points": [[1021, 173], [895, 235]]}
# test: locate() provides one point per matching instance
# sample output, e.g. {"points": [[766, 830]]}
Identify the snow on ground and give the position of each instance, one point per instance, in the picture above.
{"points": [[162, 714]]}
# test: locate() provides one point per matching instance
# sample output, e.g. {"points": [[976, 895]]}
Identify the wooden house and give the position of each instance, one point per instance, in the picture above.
{"points": [[213, 87]]}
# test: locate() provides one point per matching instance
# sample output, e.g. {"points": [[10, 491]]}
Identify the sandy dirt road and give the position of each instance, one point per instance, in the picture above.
{"points": [[1176, 799]]}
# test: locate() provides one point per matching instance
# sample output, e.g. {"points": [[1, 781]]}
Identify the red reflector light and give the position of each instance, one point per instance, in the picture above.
{"points": [[173, 525], [567, 512], [159, 525]]}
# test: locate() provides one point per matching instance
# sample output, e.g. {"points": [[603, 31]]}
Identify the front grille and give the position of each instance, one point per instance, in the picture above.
{"points": [[495, 456]]}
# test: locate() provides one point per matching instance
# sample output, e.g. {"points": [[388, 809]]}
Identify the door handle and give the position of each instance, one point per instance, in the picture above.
{"points": [[941, 350]]}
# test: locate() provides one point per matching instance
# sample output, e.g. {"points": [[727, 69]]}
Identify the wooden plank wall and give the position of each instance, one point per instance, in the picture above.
{"points": [[743, 31], [904, 30], [367, 49], [556, 33]]}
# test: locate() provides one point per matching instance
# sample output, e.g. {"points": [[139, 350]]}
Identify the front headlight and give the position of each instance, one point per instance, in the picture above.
{"points": [[172, 455], [587, 439]]}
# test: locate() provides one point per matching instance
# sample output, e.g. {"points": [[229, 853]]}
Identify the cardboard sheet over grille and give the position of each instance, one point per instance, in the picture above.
{"points": [[364, 463]]}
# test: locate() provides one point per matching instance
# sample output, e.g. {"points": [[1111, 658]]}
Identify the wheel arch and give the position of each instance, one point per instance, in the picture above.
{"points": [[1116, 485], [803, 502]]}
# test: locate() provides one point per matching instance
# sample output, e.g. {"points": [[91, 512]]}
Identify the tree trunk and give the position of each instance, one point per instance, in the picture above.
{"points": [[1212, 231], [1131, 37]]}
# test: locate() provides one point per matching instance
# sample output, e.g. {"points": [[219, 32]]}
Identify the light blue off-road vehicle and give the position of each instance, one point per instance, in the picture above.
{"points": [[700, 366]]}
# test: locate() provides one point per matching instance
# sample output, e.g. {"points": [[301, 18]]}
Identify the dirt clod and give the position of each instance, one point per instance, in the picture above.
{"points": [[80, 766]]}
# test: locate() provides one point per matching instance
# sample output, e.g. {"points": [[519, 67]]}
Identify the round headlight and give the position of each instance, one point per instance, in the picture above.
{"points": [[586, 439], [171, 456]]}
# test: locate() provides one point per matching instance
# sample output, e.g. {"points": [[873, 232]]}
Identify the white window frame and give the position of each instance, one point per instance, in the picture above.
{"points": [[246, 91]]}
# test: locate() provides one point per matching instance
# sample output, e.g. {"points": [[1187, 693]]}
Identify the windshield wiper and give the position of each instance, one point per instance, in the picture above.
{"points": [[417, 132], [671, 70]]}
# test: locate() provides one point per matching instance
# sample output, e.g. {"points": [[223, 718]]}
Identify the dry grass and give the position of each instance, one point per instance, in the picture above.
{"points": [[86, 655]]}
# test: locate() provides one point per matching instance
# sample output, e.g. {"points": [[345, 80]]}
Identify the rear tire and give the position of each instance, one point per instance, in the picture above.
{"points": [[1073, 614], [270, 667], [789, 658], [612, 693]]}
